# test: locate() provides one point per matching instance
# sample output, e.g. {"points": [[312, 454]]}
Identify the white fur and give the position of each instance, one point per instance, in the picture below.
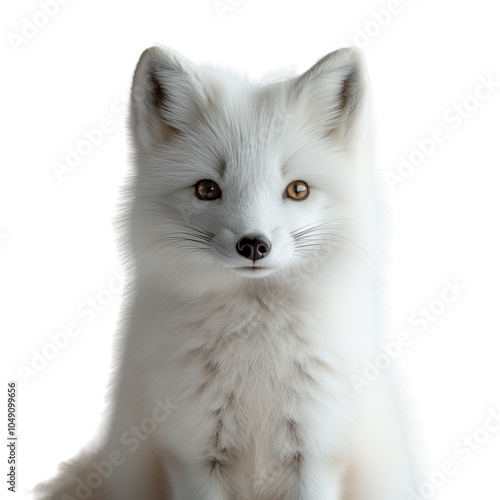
{"points": [[256, 365]]}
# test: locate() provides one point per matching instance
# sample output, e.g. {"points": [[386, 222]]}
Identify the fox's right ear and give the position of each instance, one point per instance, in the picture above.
{"points": [[166, 96], [334, 92]]}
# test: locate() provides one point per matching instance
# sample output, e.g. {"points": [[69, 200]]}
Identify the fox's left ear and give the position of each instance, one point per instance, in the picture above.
{"points": [[167, 96], [334, 92]]}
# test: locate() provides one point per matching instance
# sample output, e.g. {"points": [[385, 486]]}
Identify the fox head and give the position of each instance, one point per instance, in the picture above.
{"points": [[236, 182]]}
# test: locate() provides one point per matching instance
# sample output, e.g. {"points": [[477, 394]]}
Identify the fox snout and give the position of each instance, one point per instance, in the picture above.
{"points": [[253, 246]]}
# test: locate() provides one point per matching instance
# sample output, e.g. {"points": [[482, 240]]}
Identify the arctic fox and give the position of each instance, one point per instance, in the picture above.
{"points": [[252, 226]]}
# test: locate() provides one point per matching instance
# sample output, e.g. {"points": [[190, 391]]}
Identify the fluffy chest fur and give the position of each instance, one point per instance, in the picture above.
{"points": [[254, 381]]}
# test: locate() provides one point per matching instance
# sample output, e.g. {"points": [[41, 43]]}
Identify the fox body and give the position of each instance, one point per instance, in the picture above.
{"points": [[252, 226]]}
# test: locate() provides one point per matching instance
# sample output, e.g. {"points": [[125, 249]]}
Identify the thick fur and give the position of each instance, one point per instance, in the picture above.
{"points": [[237, 383]]}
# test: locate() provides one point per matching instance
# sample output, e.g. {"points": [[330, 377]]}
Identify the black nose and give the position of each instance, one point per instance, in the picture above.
{"points": [[253, 246]]}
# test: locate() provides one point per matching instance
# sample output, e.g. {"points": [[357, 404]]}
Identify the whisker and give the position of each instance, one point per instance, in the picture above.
{"points": [[332, 233]]}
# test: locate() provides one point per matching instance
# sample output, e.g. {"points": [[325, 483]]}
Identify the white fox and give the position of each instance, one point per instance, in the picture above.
{"points": [[252, 229]]}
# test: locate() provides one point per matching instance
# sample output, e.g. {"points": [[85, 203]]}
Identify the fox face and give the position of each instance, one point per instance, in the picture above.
{"points": [[238, 180]]}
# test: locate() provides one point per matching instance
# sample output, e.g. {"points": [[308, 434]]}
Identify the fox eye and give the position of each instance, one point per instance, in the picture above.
{"points": [[207, 190], [297, 190]]}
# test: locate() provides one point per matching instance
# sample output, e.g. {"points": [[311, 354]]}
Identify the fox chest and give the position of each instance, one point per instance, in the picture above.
{"points": [[254, 408]]}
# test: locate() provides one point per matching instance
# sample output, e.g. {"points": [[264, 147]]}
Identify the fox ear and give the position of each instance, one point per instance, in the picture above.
{"points": [[334, 91], [166, 96]]}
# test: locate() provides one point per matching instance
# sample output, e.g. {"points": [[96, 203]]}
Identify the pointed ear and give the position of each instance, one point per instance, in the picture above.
{"points": [[166, 96], [334, 92]]}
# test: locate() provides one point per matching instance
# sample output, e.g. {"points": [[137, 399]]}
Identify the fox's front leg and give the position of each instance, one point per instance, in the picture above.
{"points": [[197, 481], [139, 476], [318, 479], [382, 464]]}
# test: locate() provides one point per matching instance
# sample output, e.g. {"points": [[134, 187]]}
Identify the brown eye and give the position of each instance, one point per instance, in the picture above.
{"points": [[297, 190], [207, 190]]}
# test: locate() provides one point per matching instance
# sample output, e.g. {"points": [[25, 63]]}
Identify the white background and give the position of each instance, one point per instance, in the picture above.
{"points": [[57, 246]]}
